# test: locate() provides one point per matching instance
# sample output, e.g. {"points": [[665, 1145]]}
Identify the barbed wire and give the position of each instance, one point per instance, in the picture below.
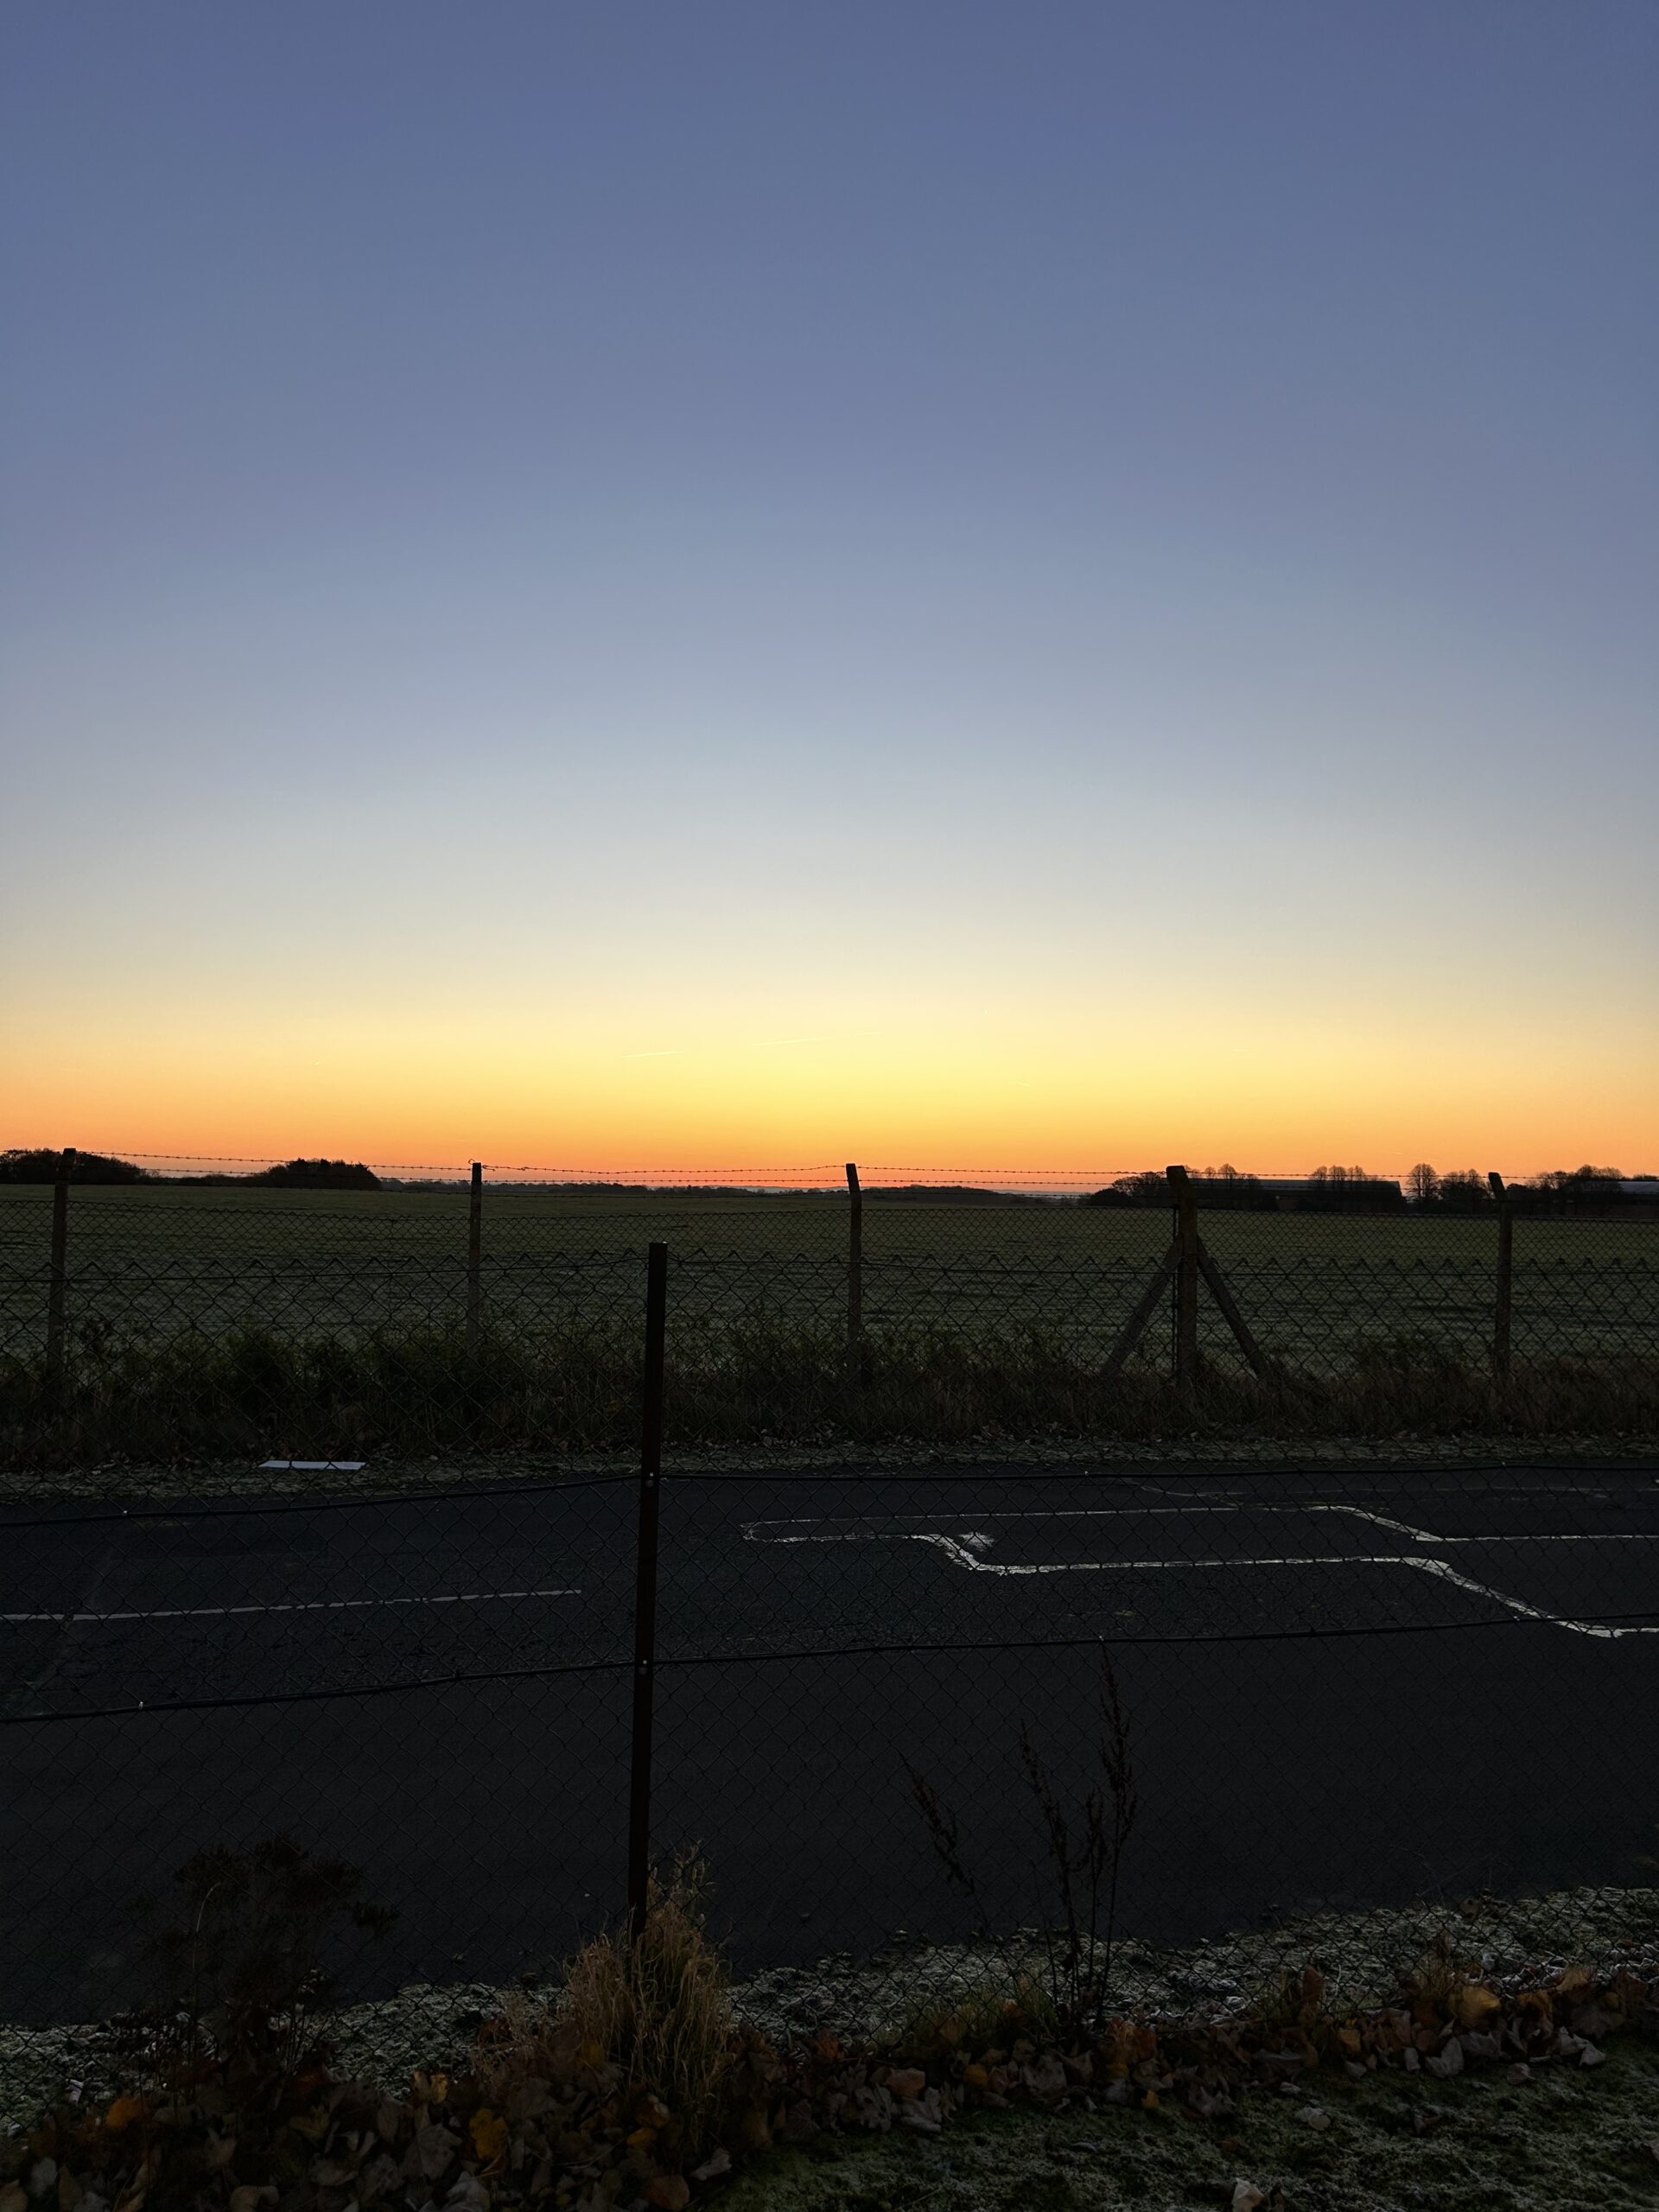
{"points": [[764, 1174]]}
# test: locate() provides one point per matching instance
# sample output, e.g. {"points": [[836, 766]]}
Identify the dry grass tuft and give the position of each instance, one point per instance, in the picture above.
{"points": [[660, 2006]]}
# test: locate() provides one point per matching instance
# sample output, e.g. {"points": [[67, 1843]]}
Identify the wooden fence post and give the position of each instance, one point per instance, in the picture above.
{"points": [[855, 1278], [645, 1590], [1186, 1203], [1503, 1300], [475, 1260], [58, 1282]]}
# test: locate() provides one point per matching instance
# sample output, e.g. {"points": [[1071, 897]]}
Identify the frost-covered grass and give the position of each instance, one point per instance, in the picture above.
{"points": [[1359, 1956], [220, 1476], [1567, 2140]]}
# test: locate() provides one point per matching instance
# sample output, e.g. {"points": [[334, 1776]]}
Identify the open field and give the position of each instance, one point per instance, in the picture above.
{"points": [[328, 1321]]}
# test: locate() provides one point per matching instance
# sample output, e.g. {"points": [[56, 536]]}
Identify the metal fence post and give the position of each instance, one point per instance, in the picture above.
{"points": [[645, 1590], [855, 1278], [475, 1260], [58, 1281], [1186, 1203], [1502, 1302]]}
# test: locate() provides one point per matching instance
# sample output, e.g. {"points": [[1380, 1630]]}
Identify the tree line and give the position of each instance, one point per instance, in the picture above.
{"points": [[40, 1164], [1352, 1190]]}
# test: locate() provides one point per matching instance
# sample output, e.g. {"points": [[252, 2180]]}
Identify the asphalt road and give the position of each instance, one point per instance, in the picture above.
{"points": [[1343, 1688]]}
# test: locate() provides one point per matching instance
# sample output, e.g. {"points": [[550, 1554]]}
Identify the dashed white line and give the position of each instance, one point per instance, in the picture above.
{"points": [[311, 1605]]}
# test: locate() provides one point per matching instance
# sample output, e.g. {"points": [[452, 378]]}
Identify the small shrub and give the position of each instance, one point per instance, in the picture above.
{"points": [[239, 1980]]}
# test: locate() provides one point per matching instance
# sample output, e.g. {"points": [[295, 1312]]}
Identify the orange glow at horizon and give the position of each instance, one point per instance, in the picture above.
{"points": [[1025, 1091]]}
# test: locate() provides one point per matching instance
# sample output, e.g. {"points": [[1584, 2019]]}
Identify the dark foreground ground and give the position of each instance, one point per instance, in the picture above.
{"points": [[1343, 1688]]}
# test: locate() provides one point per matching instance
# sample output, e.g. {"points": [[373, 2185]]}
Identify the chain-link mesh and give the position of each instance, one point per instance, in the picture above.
{"points": [[1359, 1699], [1344, 1697], [1358, 1708], [435, 1687], [318, 1325]]}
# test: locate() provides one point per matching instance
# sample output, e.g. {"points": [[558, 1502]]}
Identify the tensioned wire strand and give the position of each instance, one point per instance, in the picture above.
{"points": [[794, 1656]]}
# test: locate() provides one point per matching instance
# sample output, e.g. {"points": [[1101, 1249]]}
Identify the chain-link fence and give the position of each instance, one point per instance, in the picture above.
{"points": [[157, 1320], [1348, 1706]]}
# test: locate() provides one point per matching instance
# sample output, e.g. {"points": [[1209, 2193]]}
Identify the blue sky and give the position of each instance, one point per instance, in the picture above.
{"points": [[541, 534]]}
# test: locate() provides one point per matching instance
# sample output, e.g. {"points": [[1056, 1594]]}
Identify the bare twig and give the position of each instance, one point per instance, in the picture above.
{"points": [[945, 1833], [1084, 1864]]}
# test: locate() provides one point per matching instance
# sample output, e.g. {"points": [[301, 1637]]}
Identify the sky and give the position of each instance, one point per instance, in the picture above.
{"points": [[940, 583]]}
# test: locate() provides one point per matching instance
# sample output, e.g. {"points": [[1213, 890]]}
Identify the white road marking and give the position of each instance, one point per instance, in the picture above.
{"points": [[965, 1548], [313, 1605], [872, 1529]]}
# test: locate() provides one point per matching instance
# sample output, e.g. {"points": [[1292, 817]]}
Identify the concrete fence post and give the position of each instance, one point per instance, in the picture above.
{"points": [[1186, 1203], [57, 1288], [855, 1278], [475, 1260], [1503, 1297]]}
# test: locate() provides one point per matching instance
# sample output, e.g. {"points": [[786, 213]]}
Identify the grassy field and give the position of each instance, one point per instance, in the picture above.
{"points": [[978, 1316]]}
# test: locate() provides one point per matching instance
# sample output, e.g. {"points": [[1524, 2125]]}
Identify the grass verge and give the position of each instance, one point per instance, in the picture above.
{"points": [[253, 1391]]}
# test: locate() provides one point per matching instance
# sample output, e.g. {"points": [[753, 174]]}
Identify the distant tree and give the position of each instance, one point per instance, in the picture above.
{"points": [[318, 1175], [1225, 1190], [1146, 1189], [37, 1164], [1562, 1190], [1422, 1184], [1351, 1190], [1466, 1190]]}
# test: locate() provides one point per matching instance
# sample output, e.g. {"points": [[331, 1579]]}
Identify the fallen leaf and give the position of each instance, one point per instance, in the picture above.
{"points": [[435, 2147], [123, 2112], [489, 2133], [1476, 2004]]}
